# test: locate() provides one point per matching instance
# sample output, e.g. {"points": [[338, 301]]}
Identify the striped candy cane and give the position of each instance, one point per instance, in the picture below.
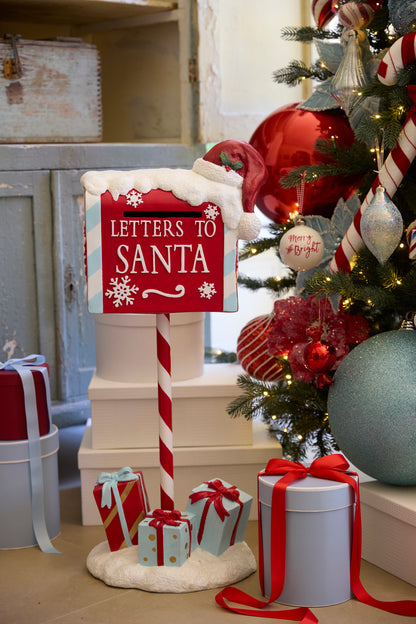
{"points": [[396, 165], [164, 389], [411, 239]]}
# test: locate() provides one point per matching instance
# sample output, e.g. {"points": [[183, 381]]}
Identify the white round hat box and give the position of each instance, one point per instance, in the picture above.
{"points": [[15, 491], [126, 346]]}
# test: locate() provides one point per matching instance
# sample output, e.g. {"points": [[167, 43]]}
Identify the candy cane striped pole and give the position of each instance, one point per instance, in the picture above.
{"points": [[396, 165], [164, 390]]}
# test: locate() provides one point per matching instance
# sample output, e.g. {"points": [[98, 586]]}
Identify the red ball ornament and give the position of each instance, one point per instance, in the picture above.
{"points": [[286, 140], [252, 350], [319, 356]]}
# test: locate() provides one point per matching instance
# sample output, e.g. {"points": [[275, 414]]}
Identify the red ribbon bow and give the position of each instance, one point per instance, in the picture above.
{"points": [[214, 495], [333, 467], [161, 518]]}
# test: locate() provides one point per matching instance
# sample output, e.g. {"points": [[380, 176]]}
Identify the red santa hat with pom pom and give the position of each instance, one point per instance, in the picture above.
{"points": [[238, 164]]}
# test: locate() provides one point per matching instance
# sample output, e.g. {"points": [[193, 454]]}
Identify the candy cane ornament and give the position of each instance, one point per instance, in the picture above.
{"points": [[164, 390], [397, 164]]}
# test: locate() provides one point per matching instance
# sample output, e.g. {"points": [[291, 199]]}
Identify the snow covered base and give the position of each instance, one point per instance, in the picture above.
{"points": [[201, 571]]}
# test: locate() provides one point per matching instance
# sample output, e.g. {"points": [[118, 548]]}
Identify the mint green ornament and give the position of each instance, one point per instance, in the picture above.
{"points": [[372, 407]]}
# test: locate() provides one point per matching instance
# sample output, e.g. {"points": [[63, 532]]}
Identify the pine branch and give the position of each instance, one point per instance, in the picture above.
{"points": [[276, 285], [354, 160], [295, 413], [297, 71], [307, 34], [258, 246]]}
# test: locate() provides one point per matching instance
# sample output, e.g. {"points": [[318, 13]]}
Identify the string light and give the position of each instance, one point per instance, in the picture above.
{"points": [[266, 394]]}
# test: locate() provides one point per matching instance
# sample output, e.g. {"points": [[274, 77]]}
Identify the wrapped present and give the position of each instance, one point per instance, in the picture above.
{"points": [[222, 512], [318, 516], [14, 399], [309, 542], [165, 538], [26, 415], [122, 501]]}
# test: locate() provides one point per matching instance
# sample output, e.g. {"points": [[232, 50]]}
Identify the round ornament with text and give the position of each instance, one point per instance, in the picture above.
{"points": [[372, 407], [301, 248], [252, 350]]}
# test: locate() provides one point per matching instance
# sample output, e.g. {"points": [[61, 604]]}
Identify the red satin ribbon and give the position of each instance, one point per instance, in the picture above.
{"points": [[160, 519], [335, 468], [217, 492]]}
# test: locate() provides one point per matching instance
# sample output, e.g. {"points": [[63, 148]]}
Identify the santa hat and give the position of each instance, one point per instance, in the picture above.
{"points": [[238, 164]]}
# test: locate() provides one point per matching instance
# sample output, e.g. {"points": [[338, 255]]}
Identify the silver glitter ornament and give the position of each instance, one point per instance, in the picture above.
{"points": [[381, 226]]}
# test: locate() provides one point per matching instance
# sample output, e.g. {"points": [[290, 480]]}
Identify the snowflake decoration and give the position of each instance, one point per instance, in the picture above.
{"points": [[207, 290], [211, 212], [121, 291], [134, 199]]}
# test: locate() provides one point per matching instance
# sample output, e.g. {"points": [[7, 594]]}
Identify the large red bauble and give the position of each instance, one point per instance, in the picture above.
{"points": [[286, 140], [252, 350]]}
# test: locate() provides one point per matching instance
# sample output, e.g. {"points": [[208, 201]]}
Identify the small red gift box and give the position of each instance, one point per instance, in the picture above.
{"points": [[122, 501], [12, 403]]}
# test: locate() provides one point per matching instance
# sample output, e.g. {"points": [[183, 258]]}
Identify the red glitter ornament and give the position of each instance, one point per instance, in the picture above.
{"points": [[252, 350]]}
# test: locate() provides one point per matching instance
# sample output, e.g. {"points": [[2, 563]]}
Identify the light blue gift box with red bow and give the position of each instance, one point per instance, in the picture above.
{"points": [[222, 512], [312, 515], [165, 538]]}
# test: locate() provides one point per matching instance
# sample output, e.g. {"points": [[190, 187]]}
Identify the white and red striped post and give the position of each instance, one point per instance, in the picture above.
{"points": [[164, 390], [397, 164]]}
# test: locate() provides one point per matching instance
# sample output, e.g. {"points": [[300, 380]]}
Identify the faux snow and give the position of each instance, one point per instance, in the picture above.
{"points": [[201, 571], [222, 188]]}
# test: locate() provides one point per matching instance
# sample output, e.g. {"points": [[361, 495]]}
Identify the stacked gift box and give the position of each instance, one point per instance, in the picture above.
{"points": [[29, 483], [124, 413]]}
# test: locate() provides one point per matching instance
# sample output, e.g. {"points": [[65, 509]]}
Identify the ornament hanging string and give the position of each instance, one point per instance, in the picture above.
{"points": [[300, 192], [379, 147]]}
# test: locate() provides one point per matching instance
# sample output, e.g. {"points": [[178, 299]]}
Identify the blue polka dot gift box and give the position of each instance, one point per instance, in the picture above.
{"points": [[222, 512], [165, 538]]}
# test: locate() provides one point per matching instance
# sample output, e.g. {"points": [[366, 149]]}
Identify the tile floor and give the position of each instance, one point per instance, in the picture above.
{"points": [[36, 588]]}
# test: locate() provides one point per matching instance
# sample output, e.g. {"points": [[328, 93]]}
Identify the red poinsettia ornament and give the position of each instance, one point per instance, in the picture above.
{"points": [[296, 321]]}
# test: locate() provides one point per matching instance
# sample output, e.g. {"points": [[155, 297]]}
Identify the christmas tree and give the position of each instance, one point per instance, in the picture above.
{"points": [[350, 251]]}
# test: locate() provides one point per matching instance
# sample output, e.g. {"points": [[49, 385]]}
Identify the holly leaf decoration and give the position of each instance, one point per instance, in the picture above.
{"points": [[227, 162]]}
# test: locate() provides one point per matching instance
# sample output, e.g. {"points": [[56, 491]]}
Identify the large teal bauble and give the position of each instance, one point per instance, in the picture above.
{"points": [[372, 407]]}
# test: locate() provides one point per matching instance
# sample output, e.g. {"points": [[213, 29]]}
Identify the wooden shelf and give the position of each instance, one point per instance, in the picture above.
{"points": [[80, 12]]}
